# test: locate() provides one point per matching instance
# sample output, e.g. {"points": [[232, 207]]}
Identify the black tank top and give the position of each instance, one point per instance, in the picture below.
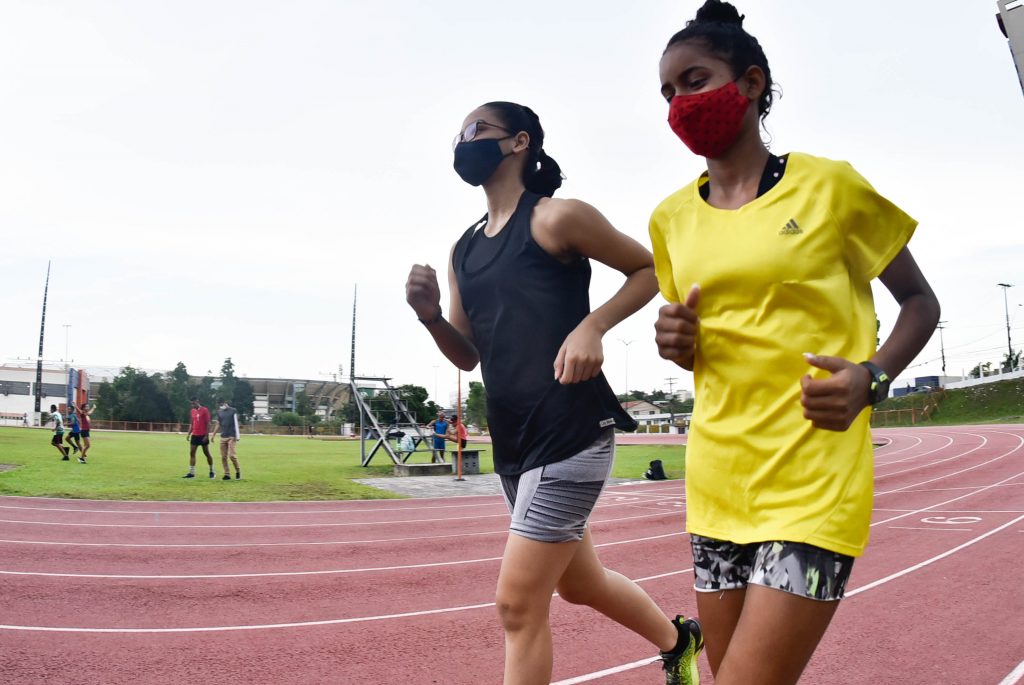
{"points": [[522, 303]]}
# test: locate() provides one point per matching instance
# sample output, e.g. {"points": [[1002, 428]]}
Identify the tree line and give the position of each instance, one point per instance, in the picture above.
{"points": [[134, 395]]}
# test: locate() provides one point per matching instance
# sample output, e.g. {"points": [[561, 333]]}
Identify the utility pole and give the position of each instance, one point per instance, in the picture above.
{"points": [[1006, 308], [942, 347], [627, 343], [671, 398]]}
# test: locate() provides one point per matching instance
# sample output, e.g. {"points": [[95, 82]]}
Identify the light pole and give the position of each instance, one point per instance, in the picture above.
{"points": [[627, 343], [942, 347], [436, 398], [671, 398], [1006, 308], [67, 376]]}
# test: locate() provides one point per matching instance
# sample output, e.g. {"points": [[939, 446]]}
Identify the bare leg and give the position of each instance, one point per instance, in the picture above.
{"points": [[192, 458], [62, 449], [586, 581], [529, 572], [719, 613], [85, 450], [206, 451], [776, 635]]}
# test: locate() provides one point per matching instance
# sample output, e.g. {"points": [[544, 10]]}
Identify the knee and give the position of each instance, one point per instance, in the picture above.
{"points": [[517, 612]]}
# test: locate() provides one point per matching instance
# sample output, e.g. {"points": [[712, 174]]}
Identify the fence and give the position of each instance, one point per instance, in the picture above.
{"points": [[251, 428], [912, 415]]}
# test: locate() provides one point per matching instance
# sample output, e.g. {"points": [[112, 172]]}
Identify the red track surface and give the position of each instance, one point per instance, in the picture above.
{"points": [[401, 591]]}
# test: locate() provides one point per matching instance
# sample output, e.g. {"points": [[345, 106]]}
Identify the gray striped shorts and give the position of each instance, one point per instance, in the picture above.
{"points": [[552, 503]]}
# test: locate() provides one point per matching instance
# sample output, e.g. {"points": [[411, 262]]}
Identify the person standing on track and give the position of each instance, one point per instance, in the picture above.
{"points": [[199, 436], [227, 423], [780, 335], [519, 285]]}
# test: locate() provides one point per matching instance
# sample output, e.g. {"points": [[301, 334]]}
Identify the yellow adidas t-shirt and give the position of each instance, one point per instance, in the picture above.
{"points": [[785, 274]]}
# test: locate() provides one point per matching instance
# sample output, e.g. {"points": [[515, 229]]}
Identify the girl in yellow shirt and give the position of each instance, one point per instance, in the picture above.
{"points": [[780, 336]]}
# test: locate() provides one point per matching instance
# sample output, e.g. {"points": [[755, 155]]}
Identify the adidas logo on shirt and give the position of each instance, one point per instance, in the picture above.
{"points": [[791, 228]]}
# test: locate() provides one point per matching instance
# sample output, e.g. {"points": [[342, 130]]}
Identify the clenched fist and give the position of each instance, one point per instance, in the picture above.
{"points": [[676, 330], [422, 292]]}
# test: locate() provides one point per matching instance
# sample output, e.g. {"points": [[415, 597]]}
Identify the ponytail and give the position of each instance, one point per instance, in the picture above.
{"points": [[541, 173]]}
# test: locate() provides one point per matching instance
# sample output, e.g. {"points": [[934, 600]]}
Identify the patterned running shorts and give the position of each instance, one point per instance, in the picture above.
{"points": [[792, 567], [552, 503]]}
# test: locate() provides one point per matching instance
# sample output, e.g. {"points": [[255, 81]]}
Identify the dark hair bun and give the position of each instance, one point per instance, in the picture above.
{"points": [[718, 11]]}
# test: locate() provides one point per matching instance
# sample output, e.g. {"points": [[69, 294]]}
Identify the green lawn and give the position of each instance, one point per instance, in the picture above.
{"points": [[149, 466], [998, 402]]}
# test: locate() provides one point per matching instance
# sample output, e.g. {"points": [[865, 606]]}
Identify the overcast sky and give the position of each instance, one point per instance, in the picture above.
{"points": [[211, 179]]}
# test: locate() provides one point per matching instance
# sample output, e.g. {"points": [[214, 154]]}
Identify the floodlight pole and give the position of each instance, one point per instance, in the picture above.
{"points": [[942, 346], [627, 343], [39, 359], [1006, 308]]}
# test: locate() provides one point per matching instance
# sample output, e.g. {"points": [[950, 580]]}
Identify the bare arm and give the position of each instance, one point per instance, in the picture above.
{"points": [[568, 228], [833, 403], [452, 336]]}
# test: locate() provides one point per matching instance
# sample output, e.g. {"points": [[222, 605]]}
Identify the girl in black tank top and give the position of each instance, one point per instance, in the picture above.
{"points": [[519, 281]]}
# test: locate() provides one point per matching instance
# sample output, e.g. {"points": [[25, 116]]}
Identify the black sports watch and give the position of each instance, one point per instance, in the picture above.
{"points": [[880, 382]]}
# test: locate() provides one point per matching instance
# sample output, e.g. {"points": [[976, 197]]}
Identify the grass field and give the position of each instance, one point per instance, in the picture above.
{"points": [[149, 466]]}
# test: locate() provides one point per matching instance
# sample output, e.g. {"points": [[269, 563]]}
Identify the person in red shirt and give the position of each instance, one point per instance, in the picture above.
{"points": [[457, 431], [199, 436]]}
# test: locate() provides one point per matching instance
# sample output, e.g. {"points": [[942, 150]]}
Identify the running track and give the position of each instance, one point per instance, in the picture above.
{"points": [[401, 591]]}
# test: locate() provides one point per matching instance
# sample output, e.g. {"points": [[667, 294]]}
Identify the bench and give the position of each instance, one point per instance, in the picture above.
{"points": [[470, 461], [440, 469]]}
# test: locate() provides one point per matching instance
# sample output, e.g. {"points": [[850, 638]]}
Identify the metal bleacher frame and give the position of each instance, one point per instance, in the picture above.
{"points": [[372, 428]]}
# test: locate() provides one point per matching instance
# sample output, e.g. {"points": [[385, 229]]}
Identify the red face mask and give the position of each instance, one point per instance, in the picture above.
{"points": [[709, 122]]}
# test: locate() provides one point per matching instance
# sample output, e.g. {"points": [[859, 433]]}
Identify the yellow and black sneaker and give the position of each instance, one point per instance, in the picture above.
{"points": [[680, 664]]}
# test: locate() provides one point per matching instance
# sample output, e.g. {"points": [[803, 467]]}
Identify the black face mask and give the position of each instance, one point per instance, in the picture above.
{"points": [[477, 160]]}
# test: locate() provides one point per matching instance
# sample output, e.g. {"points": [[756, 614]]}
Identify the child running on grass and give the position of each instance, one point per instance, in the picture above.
{"points": [[519, 281], [780, 335]]}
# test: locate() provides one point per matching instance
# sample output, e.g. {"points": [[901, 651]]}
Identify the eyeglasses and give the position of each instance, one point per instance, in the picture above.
{"points": [[469, 133]]}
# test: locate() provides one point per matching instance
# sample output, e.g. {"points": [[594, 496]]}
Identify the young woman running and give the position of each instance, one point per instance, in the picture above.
{"points": [[519, 281], [780, 335]]}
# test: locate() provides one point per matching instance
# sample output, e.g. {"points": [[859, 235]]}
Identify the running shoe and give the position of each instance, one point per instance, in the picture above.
{"points": [[65, 458], [189, 475], [681, 665], [212, 474], [238, 475], [75, 449], [227, 476], [81, 460]]}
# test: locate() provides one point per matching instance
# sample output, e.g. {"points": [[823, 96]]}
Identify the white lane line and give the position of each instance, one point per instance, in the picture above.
{"points": [[1020, 443], [587, 677], [984, 441], [606, 495], [904, 449], [917, 455], [1014, 676], [932, 507], [325, 572], [968, 530], [285, 525], [937, 557], [302, 624], [608, 671], [661, 512]]}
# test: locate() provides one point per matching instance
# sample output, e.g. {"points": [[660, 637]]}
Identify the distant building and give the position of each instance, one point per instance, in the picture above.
{"points": [[639, 408]]}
